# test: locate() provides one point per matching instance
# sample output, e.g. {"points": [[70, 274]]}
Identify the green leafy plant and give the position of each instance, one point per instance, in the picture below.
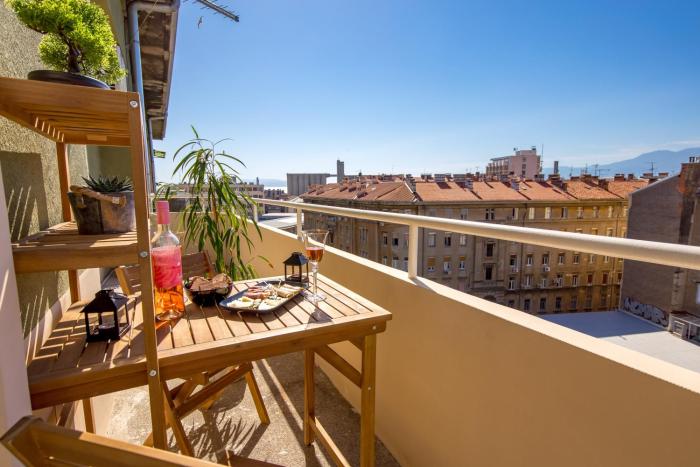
{"points": [[77, 36], [108, 185], [217, 216]]}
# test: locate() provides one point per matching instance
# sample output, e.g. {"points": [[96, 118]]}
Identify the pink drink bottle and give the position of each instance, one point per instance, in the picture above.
{"points": [[166, 256]]}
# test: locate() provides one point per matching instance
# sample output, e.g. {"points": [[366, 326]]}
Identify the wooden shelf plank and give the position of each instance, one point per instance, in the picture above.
{"points": [[68, 114], [61, 248]]}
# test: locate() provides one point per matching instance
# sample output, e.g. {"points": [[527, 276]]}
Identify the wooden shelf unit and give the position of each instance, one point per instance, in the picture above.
{"points": [[69, 114], [61, 248]]}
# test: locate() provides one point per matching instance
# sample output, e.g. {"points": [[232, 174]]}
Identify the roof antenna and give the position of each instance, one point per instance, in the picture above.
{"points": [[218, 9], [652, 167]]}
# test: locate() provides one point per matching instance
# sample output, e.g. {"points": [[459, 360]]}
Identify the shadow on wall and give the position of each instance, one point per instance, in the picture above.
{"points": [[27, 208], [22, 175]]}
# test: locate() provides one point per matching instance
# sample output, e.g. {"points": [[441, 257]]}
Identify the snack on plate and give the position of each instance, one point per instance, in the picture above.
{"points": [[270, 303], [243, 302], [287, 291], [257, 293]]}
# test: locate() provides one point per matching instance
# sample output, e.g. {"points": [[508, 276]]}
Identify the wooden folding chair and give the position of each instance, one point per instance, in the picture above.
{"points": [[36, 443], [182, 399]]}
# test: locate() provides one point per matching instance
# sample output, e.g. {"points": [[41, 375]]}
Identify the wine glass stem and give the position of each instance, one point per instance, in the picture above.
{"points": [[314, 270]]}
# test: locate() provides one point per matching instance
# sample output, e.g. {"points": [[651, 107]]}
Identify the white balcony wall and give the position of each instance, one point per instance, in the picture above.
{"points": [[463, 381]]}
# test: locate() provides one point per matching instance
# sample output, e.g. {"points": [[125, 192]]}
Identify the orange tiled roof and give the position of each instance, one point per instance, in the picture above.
{"points": [[623, 188], [496, 191], [384, 191], [542, 191], [431, 191], [582, 190], [443, 191]]}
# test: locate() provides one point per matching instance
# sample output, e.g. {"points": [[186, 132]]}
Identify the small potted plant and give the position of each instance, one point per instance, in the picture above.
{"points": [[78, 45], [105, 205]]}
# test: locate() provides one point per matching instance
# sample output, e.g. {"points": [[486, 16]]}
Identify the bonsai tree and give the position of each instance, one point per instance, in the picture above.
{"points": [[216, 218], [77, 36]]}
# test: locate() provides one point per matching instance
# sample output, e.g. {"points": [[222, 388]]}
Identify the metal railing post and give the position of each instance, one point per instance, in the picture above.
{"points": [[413, 251], [299, 225]]}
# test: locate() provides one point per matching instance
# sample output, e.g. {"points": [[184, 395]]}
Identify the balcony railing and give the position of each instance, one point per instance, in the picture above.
{"points": [[668, 254], [472, 363]]}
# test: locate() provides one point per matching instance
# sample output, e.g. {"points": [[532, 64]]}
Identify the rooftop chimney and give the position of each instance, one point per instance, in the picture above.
{"points": [[556, 167]]}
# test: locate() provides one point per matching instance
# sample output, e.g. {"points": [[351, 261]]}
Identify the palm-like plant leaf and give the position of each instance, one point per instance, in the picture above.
{"points": [[217, 216]]}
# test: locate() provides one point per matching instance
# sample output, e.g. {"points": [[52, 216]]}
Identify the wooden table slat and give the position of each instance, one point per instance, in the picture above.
{"points": [[198, 324], [65, 367]]}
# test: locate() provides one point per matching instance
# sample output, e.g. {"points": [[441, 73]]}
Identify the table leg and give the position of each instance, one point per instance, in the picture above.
{"points": [[171, 419], [89, 415], [369, 362], [309, 397], [257, 397]]}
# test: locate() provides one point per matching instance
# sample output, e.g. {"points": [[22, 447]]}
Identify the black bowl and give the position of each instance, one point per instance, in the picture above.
{"points": [[209, 297]]}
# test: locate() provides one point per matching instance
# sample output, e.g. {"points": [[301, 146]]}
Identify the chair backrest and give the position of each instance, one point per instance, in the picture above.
{"points": [[37, 443], [193, 264]]}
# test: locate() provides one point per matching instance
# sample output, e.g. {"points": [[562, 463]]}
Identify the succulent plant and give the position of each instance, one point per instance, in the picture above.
{"points": [[108, 185]]}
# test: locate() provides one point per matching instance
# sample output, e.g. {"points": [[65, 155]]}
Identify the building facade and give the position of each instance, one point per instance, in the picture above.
{"points": [[528, 277], [667, 211], [525, 163], [300, 183], [276, 194]]}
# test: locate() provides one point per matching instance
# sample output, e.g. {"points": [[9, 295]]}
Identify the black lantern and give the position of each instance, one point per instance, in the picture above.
{"points": [[109, 303], [296, 263]]}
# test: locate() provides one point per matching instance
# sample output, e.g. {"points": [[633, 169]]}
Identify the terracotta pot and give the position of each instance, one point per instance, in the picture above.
{"points": [[95, 216], [64, 77]]}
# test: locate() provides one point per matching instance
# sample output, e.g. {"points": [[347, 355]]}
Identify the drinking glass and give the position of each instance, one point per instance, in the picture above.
{"points": [[315, 243]]}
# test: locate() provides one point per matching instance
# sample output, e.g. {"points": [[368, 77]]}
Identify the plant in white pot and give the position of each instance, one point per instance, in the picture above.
{"points": [[78, 45], [105, 205]]}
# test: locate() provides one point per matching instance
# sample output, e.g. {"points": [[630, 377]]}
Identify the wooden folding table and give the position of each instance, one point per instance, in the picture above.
{"points": [[210, 338]]}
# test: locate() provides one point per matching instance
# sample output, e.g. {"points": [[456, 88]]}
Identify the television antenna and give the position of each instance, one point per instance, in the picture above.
{"points": [[597, 171], [652, 167], [217, 9]]}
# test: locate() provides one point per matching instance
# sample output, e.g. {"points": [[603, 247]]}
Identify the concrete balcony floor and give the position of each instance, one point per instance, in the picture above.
{"points": [[232, 426]]}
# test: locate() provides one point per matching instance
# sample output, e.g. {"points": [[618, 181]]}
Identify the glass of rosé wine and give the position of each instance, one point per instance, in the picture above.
{"points": [[315, 244]]}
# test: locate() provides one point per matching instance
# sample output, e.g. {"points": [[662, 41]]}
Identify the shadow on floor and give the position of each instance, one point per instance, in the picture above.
{"points": [[232, 427]]}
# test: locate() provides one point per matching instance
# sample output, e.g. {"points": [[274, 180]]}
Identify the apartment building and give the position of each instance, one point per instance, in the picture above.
{"points": [[531, 278], [525, 163], [667, 211], [276, 194]]}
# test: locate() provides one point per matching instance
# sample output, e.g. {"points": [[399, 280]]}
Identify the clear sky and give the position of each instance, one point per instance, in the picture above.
{"points": [[435, 86]]}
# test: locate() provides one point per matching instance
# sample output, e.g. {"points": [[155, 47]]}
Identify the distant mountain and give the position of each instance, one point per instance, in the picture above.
{"points": [[664, 161], [270, 182]]}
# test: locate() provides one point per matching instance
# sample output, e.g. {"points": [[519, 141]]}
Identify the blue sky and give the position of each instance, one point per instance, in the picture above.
{"points": [[439, 86]]}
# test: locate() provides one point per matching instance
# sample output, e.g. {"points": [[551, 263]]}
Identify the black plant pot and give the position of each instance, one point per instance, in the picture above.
{"points": [[96, 217], [64, 77]]}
